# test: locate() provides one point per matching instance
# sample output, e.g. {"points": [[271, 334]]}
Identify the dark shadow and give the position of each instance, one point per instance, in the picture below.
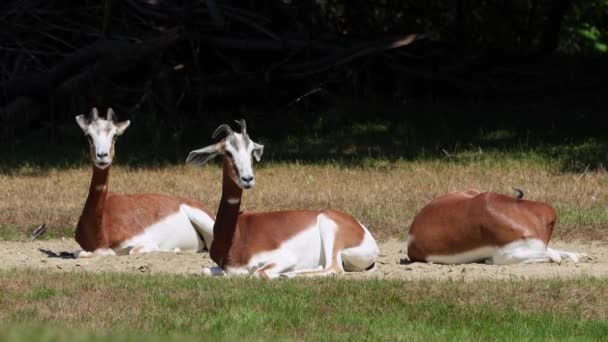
{"points": [[354, 134], [405, 261], [61, 255]]}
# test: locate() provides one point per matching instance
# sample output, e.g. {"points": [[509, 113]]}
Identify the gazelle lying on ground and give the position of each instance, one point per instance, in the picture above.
{"points": [[470, 226], [269, 244], [114, 223]]}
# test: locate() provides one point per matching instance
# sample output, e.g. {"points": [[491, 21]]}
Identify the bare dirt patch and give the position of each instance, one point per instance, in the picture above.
{"points": [[392, 264]]}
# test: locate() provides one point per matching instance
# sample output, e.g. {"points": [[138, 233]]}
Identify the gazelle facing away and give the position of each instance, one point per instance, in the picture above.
{"points": [[114, 223], [269, 244], [470, 226]]}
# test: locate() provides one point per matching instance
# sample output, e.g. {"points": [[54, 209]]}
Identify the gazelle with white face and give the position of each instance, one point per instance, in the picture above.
{"points": [[102, 134], [238, 148], [113, 223], [271, 244]]}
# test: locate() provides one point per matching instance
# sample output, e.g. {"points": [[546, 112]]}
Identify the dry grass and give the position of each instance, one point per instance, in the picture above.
{"points": [[383, 195]]}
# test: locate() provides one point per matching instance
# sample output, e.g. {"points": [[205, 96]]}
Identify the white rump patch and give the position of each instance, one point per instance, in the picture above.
{"points": [[363, 256], [234, 200]]}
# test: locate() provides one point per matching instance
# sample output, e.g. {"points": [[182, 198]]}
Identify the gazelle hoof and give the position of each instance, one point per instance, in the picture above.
{"points": [[213, 271], [82, 254]]}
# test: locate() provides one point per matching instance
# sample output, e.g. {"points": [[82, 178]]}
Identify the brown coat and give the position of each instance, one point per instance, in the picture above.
{"points": [[464, 220], [110, 218], [238, 236]]}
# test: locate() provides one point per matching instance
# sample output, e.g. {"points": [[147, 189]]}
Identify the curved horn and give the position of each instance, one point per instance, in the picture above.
{"points": [[110, 115], [222, 128], [520, 193], [243, 126], [94, 114]]}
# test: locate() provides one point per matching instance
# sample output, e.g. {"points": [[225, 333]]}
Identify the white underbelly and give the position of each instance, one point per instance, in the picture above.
{"points": [[174, 231]]}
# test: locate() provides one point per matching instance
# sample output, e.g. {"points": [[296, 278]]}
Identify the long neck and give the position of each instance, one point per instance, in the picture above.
{"points": [[225, 225], [88, 232]]}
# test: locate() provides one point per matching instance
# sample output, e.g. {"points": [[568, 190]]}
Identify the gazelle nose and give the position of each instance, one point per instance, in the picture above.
{"points": [[102, 155], [247, 179]]}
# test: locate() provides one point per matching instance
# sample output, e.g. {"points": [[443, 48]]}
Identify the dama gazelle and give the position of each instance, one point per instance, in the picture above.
{"points": [[113, 223], [470, 226], [277, 243]]}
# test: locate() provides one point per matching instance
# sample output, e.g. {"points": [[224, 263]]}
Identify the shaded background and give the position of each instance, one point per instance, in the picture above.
{"points": [[316, 80]]}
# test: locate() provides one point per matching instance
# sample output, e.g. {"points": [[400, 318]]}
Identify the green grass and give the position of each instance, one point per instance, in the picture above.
{"points": [[47, 333], [584, 217], [76, 306]]}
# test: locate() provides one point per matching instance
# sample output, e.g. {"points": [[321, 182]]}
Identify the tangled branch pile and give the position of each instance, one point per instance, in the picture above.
{"points": [[180, 58], [162, 55]]}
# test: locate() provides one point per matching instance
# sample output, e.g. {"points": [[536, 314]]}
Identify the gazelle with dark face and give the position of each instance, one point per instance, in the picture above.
{"points": [[269, 244], [113, 223]]}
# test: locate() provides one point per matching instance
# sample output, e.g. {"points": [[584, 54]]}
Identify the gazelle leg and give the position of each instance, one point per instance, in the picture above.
{"points": [[214, 271], [310, 273], [201, 222], [525, 257], [79, 254], [573, 256], [328, 230], [283, 261], [332, 260], [145, 248], [105, 252], [525, 251], [334, 268], [98, 252]]}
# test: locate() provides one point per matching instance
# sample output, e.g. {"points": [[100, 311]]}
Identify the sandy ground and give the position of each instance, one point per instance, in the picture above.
{"points": [[392, 263]]}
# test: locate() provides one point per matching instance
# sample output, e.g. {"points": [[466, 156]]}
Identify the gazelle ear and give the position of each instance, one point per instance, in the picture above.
{"points": [[83, 123], [205, 154], [257, 151], [122, 126]]}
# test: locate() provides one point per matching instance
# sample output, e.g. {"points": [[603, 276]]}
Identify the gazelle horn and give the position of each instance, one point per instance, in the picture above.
{"points": [[222, 128]]}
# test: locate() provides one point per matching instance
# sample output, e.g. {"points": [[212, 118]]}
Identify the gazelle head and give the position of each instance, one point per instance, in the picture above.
{"points": [[102, 134], [237, 149]]}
